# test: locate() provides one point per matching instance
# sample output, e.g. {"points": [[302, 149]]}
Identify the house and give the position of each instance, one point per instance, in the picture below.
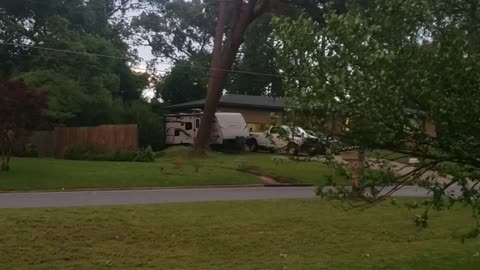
{"points": [[258, 111], [261, 111], [422, 119]]}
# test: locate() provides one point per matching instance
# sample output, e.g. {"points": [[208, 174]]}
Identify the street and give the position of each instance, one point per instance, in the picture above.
{"points": [[174, 195]]}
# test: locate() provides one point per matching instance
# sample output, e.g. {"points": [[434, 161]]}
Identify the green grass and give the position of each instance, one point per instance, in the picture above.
{"points": [[288, 234], [292, 171], [49, 174], [174, 168]]}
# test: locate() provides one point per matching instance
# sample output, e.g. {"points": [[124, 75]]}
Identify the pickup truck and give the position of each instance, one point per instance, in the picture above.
{"points": [[290, 139]]}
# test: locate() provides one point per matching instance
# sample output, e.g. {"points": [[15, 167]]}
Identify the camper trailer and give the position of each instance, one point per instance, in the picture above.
{"points": [[182, 128]]}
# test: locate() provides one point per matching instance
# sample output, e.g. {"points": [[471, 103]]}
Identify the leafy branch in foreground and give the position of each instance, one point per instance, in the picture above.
{"points": [[397, 75]]}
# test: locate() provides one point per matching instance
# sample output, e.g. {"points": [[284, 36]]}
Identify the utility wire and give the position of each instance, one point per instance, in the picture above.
{"points": [[164, 63], [126, 58], [160, 72]]}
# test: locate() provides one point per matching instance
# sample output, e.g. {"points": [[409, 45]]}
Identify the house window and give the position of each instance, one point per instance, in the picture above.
{"points": [[177, 133], [188, 126], [197, 123]]}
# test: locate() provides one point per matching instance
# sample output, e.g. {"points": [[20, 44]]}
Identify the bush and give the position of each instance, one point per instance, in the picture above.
{"points": [[124, 155], [91, 153], [144, 155], [27, 150], [77, 152], [151, 126]]}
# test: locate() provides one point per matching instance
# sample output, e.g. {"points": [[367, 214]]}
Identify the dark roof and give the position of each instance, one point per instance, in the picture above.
{"points": [[242, 101]]}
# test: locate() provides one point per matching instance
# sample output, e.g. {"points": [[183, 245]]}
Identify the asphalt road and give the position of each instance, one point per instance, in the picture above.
{"points": [[154, 196]]}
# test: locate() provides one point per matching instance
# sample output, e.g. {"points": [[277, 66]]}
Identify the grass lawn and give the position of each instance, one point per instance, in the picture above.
{"points": [[173, 169], [287, 234], [292, 171]]}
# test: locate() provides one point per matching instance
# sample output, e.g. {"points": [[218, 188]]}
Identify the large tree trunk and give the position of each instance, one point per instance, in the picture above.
{"points": [[220, 65], [201, 141]]}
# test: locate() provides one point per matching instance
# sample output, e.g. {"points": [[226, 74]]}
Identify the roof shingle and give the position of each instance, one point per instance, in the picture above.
{"points": [[230, 100]]}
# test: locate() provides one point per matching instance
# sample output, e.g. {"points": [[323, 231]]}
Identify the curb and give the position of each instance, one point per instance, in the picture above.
{"points": [[289, 185], [133, 188], [279, 185]]}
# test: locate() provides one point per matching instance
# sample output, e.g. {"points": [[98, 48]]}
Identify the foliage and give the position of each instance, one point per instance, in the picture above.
{"points": [[151, 125], [132, 84], [176, 29], [83, 89], [20, 109], [385, 70], [78, 152], [182, 31], [184, 83], [144, 155], [257, 55], [25, 150]]}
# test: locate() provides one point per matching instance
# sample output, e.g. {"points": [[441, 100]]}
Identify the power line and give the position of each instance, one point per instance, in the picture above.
{"points": [[126, 58], [159, 62], [160, 72], [64, 51]]}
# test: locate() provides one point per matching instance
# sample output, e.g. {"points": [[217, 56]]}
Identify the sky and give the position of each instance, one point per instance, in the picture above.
{"points": [[145, 54]]}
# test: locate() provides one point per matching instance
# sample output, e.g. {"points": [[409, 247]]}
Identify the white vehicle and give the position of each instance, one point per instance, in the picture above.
{"points": [[279, 137], [182, 128]]}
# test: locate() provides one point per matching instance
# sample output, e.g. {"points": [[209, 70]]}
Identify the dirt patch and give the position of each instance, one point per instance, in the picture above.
{"points": [[275, 181], [267, 180]]}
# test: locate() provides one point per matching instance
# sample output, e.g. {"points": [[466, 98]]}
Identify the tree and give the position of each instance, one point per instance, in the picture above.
{"points": [[184, 83], [83, 88], [176, 29], [151, 125], [257, 55], [180, 31], [132, 83], [244, 13], [388, 69], [20, 108]]}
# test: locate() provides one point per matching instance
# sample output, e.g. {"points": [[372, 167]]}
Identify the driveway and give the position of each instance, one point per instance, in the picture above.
{"points": [[155, 196]]}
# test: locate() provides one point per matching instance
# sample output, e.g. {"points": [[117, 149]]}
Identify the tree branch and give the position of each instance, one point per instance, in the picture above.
{"points": [[399, 185]]}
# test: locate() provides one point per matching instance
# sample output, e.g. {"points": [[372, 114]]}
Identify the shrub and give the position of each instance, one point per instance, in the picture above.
{"points": [[26, 150], [124, 155], [77, 152], [91, 153], [151, 126], [144, 155]]}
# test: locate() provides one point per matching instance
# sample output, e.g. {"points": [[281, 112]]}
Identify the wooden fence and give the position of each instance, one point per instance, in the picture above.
{"points": [[106, 137], [54, 143]]}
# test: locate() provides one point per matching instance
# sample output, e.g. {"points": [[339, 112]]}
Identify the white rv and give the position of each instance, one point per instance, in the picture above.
{"points": [[182, 128]]}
